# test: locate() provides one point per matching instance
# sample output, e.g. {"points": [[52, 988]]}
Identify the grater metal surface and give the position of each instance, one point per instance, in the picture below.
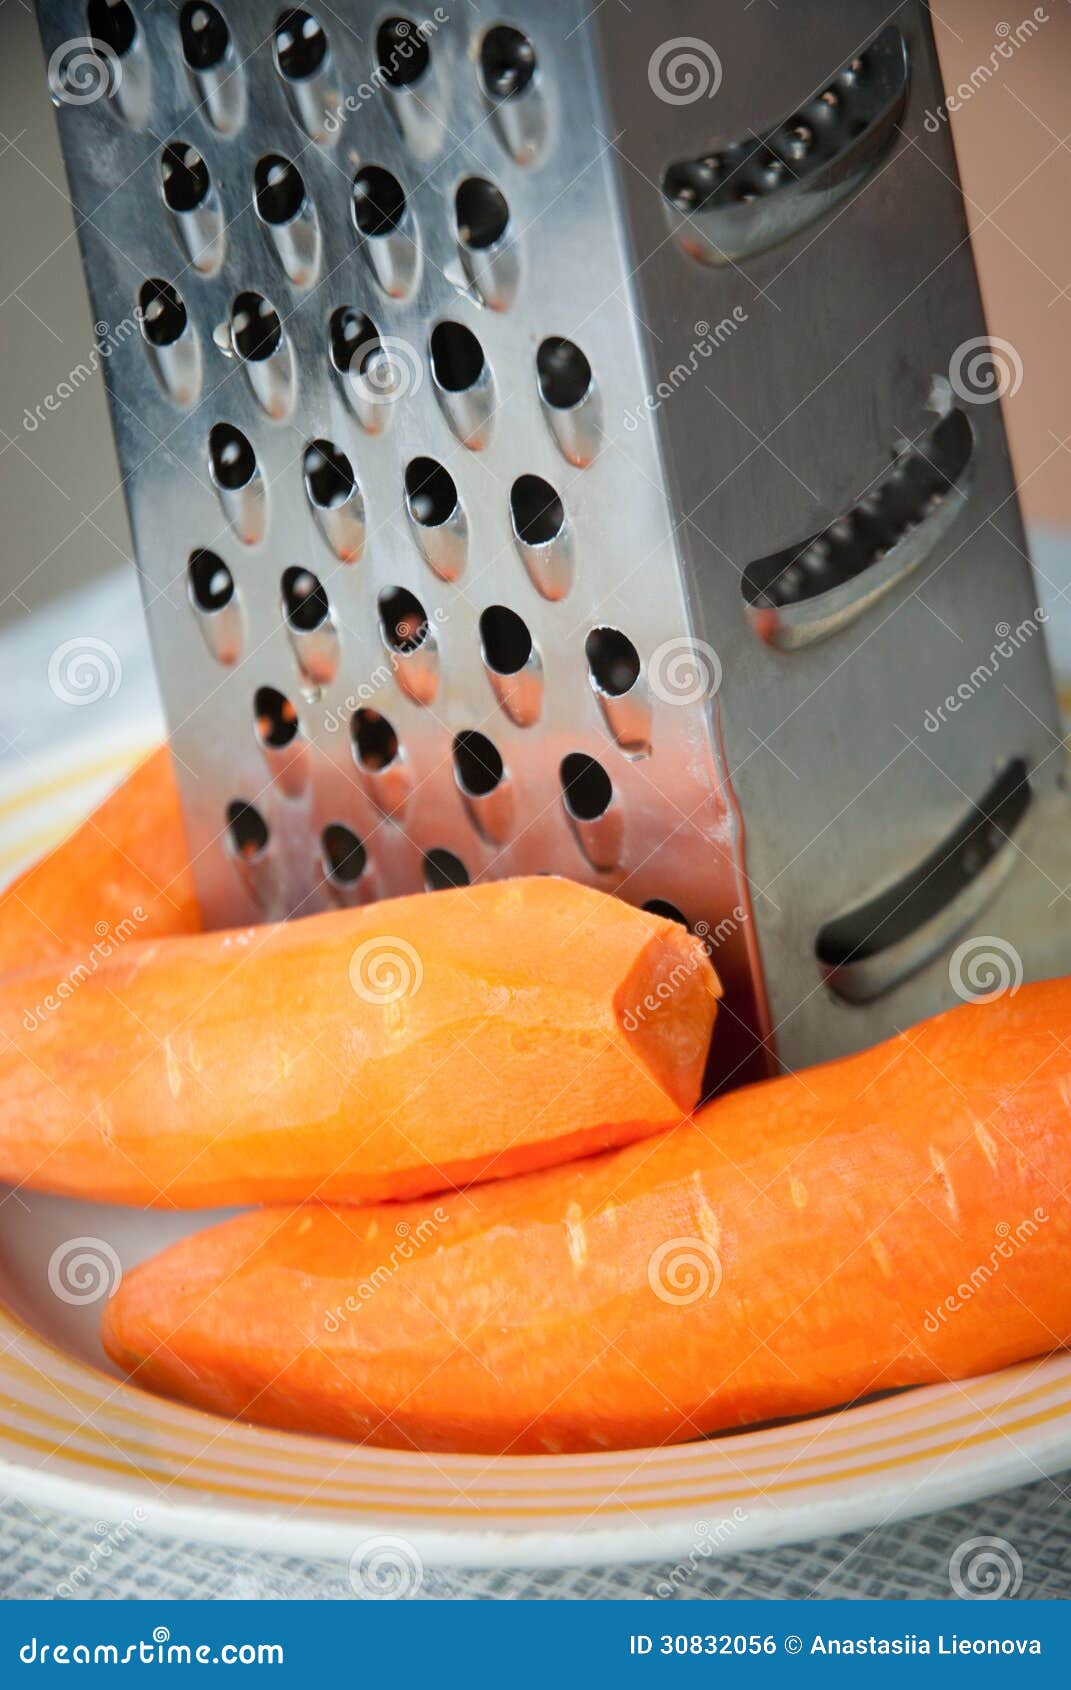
{"points": [[535, 465]]}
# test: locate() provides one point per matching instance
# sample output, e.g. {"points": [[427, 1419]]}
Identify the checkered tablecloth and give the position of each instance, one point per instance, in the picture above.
{"points": [[44, 1554], [40, 1552]]}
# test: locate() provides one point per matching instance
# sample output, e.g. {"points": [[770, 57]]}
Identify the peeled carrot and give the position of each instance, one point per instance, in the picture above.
{"points": [[889, 1219], [123, 873], [376, 1052]]}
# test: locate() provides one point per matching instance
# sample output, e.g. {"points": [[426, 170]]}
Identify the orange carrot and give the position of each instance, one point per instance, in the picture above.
{"points": [[383, 1051], [892, 1218], [124, 872]]}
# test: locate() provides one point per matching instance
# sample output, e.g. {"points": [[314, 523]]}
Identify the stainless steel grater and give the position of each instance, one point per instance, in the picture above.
{"points": [[557, 439]]}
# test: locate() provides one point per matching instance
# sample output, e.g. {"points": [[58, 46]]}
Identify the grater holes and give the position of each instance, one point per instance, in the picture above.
{"points": [[345, 858], [505, 639], [232, 460], [211, 582], [162, 314], [247, 831], [305, 602], [762, 189], [113, 23], [806, 591], [402, 52], [478, 763], [586, 787], [613, 661], [564, 373], [443, 870], [507, 62], [403, 619], [377, 201], [481, 212], [279, 189], [204, 35], [668, 911], [256, 330], [457, 358], [430, 492], [184, 177], [275, 718], [867, 951], [375, 743], [300, 45], [329, 477], [537, 512]]}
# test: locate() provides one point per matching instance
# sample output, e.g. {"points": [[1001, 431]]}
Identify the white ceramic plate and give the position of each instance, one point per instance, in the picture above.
{"points": [[74, 1435]]}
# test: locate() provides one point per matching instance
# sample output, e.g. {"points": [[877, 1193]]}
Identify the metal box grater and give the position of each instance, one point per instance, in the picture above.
{"points": [[558, 440]]}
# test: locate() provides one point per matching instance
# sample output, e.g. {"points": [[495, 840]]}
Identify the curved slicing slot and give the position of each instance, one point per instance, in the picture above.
{"points": [[868, 951], [743, 198], [806, 592]]}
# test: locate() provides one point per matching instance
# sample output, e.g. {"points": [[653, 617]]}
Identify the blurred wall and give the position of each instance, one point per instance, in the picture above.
{"points": [[61, 508]]}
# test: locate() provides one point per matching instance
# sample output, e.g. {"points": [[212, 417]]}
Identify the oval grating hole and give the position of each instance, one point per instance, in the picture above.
{"points": [[477, 763], [375, 743], [329, 476], [113, 23], [255, 327], [305, 600], [430, 492], [163, 314], [211, 582], [345, 858], [403, 619], [507, 62], [586, 786], [247, 830], [564, 373], [482, 213], [506, 639], [668, 911], [613, 661], [300, 44], [184, 175], [442, 870], [538, 513], [275, 717], [231, 457], [378, 200], [402, 52], [354, 340], [279, 189], [456, 357], [205, 36]]}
